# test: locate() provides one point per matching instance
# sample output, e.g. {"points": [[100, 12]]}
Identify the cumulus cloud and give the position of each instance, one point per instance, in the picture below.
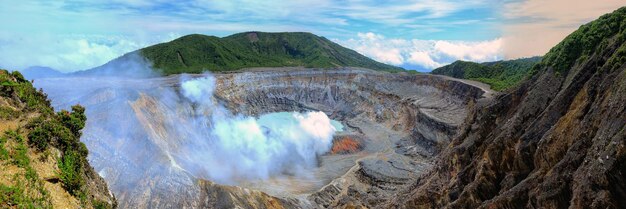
{"points": [[74, 25], [67, 52], [375, 46], [425, 54], [423, 58]]}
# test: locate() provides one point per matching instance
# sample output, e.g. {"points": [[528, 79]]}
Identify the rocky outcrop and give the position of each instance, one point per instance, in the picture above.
{"points": [[556, 141], [219, 196]]}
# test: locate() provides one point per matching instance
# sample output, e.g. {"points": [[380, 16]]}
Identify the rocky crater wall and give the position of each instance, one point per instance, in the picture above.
{"points": [[401, 120], [429, 107]]}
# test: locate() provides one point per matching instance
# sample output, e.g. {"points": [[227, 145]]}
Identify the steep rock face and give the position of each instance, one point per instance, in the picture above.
{"points": [[557, 141], [219, 196]]}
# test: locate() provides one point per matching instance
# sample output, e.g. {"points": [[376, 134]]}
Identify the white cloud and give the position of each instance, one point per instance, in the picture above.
{"points": [[404, 12], [67, 53], [423, 58], [78, 52], [428, 54], [99, 17], [374, 46], [326, 11], [24, 41], [472, 51]]}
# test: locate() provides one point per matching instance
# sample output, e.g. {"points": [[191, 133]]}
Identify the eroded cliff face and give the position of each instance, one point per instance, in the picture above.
{"points": [[556, 141], [400, 122]]}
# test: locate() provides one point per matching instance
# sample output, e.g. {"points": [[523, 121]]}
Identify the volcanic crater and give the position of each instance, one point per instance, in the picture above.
{"points": [[394, 123]]}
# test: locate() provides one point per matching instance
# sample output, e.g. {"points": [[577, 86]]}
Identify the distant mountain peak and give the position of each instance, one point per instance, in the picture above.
{"points": [[35, 72], [196, 53]]}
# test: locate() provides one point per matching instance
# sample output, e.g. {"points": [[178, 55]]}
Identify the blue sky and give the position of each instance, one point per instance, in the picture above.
{"points": [[415, 34]]}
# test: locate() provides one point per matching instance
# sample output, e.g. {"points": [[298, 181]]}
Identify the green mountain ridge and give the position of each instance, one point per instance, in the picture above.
{"points": [[196, 53], [500, 75]]}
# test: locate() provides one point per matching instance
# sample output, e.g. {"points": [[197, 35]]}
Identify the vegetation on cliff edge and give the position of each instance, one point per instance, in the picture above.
{"points": [[36, 134], [500, 75], [588, 39]]}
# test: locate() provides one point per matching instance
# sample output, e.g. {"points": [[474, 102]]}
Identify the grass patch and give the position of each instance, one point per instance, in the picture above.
{"points": [[4, 153], [24, 194], [8, 113]]}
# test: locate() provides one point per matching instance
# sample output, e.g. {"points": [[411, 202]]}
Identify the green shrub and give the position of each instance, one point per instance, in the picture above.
{"points": [[4, 153], [70, 166], [63, 130], [39, 138], [101, 205], [18, 76], [31, 174], [7, 113], [82, 150], [10, 194], [75, 120], [14, 84], [20, 157]]}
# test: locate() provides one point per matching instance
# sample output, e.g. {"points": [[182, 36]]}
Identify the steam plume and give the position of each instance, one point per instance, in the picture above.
{"points": [[140, 126], [246, 147]]}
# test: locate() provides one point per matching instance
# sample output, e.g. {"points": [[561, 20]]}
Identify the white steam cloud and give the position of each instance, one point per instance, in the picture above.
{"points": [[156, 135], [239, 147]]}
